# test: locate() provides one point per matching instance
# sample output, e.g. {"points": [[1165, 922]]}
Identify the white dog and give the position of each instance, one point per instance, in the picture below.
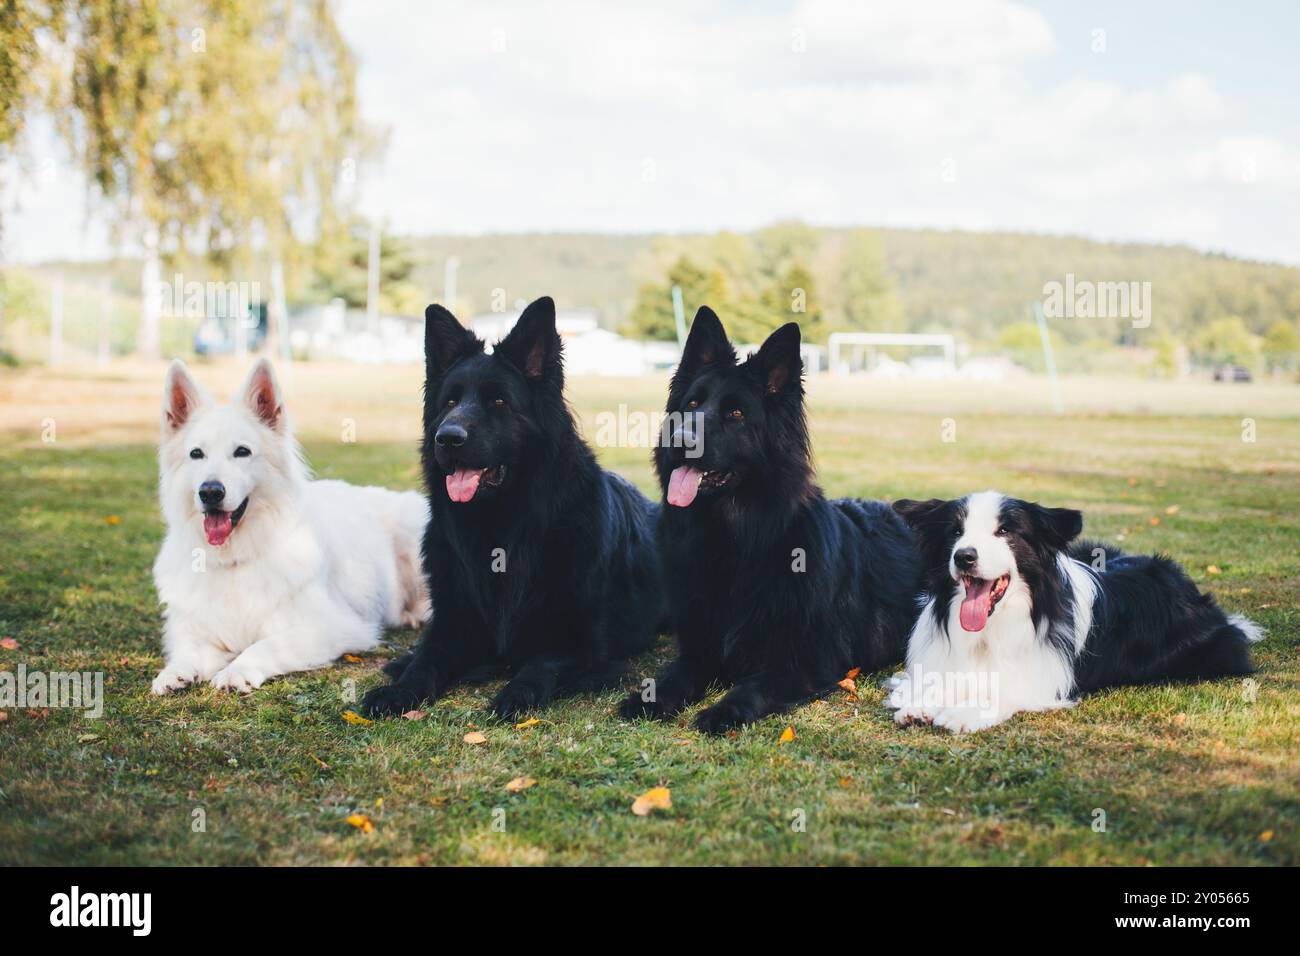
{"points": [[264, 571]]}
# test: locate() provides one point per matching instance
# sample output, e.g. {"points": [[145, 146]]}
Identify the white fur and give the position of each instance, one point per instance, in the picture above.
{"points": [[313, 570], [1248, 627], [966, 681]]}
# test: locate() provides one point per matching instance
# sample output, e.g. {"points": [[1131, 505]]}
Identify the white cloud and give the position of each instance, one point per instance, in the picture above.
{"points": [[543, 117]]}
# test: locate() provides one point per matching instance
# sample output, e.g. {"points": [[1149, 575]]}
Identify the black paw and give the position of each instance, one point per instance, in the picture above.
{"points": [[397, 666], [634, 708], [390, 700], [723, 716], [516, 699]]}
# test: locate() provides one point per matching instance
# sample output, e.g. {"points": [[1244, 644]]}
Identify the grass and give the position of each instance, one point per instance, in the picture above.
{"points": [[1196, 774]]}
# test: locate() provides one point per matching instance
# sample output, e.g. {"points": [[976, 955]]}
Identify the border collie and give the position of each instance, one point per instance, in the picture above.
{"points": [[774, 590], [1020, 616], [543, 564], [262, 571]]}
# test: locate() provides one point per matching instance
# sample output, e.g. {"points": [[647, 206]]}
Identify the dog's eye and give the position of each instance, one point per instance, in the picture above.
{"points": [[736, 413], [451, 403], [1003, 531], [242, 451], [196, 453], [692, 405], [498, 403]]}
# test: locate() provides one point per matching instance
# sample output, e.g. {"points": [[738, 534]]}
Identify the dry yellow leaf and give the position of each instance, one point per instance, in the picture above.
{"points": [[1172, 510], [1213, 569], [113, 519], [352, 658], [846, 781], [415, 715], [849, 684], [520, 783], [352, 717], [474, 737], [787, 735], [853, 673], [1154, 522], [361, 822], [1266, 836], [656, 798], [8, 643], [530, 722], [320, 763]]}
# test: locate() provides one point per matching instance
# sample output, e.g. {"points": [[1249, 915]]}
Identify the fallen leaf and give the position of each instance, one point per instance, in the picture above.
{"points": [[530, 722], [474, 737], [1172, 510], [352, 658], [787, 735], [8, 643], [87, 738], [320, 763], [361, 822], [853, 673], [4, 715], [849, 685], [1213, 569], [846, 782], [379, 803], [1266, 836], [352, 717], [1132, 482], [656, 798], [415, 714], [520, 783], [1154, 522], [113, 520], [683, 742]]}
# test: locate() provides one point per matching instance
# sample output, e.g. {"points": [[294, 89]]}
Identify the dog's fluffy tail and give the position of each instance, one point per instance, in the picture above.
{"points": [[1248, 627]]}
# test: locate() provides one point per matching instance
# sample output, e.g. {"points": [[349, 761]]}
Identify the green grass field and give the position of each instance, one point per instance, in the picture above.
{"points": [[1201, 774]]}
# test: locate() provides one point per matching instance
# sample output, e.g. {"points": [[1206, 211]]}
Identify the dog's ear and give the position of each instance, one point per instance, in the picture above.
{"points": [[705, 344], [181, 397], [262, 395], [533, 345], [920, 515], [778, 360], [1056, 527], [445, 340]]}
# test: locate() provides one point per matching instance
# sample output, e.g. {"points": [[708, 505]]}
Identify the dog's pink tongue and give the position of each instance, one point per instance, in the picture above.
{"points": [[217, 526], [683, 484], [462, 483], [975, 606]]}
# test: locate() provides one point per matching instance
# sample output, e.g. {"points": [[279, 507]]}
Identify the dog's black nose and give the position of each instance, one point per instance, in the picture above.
{"points": [[965, 558], [211, 493], [452, 435]]}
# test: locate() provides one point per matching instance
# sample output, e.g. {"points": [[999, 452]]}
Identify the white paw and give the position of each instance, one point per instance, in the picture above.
{"points": [[238, 676], [966, 720], [171, 679]]}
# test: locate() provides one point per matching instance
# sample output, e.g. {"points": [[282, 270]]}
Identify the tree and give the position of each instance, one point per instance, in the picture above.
{"points": [[217, 126], [1225, 340], [868, 300], [341, 265], [652, 315], [1282, 346]]}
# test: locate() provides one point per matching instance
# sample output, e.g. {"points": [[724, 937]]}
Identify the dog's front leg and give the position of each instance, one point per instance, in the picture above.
{"points": [[535, 685], [450, 646], [753, 699], [681, 684], [188, 660], [297, 640]]}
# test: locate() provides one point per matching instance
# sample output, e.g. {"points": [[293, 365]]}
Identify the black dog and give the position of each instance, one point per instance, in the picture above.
{"points": [[772, 588], [1029, 618], [540, 563]]}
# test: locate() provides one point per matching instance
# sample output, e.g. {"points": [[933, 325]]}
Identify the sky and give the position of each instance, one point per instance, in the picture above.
{"points": [[1160, 122]]}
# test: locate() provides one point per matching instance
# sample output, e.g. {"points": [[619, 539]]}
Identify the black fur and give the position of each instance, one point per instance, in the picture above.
{"points": [[1150, 623], [744, 611], [548, 572]]}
